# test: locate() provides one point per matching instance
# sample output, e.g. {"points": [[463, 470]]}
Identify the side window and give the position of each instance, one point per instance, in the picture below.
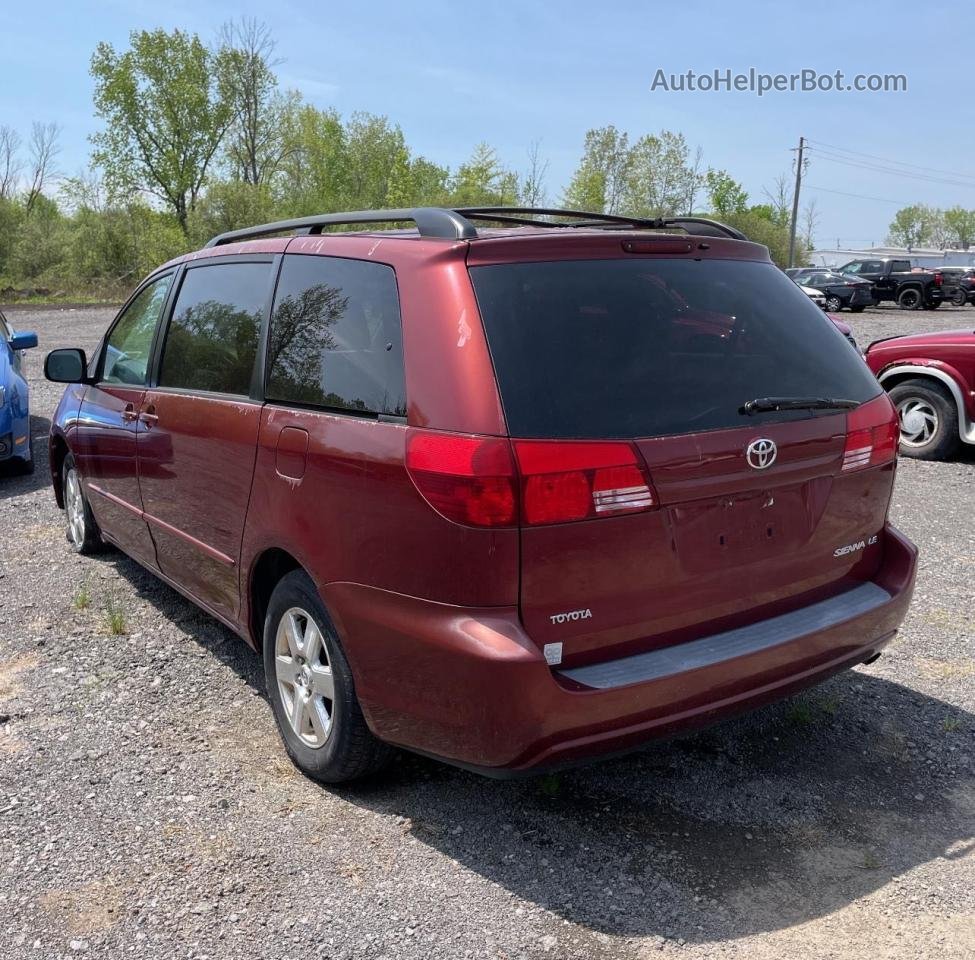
{"points": [[872, 266], [130, 342], [852, 267], [336, 339], [900, 266], [211, 343]]}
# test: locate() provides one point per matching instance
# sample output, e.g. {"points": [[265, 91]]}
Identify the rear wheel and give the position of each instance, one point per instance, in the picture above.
{"points": [[833, 303], [82, 530], [928, 419], [960, 298], [311, 689], [909, 298]]}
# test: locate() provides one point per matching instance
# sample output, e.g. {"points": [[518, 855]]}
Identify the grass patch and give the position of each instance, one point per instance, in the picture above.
{"points": [[82, 598], [115, 618]]}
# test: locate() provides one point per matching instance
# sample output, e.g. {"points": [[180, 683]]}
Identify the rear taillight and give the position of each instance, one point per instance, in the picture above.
{"points": [[470, 480], [872, 433], [476, 481], [938, 279], [562, 481]]}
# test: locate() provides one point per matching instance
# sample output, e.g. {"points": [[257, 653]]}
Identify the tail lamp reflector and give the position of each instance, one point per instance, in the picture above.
{"points": [[872, 434], [477, 481]]}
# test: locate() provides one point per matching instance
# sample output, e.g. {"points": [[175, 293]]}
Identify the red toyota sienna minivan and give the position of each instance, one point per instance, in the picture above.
{"points": [[512, 495]]}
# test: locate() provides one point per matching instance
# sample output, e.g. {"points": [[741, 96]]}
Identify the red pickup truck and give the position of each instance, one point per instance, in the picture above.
{"points": [[931, 379]]}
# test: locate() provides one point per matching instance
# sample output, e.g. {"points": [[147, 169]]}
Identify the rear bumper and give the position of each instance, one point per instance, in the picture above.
{"points": [[469, 686]]}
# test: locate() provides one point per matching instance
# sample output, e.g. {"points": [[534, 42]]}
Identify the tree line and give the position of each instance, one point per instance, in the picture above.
{"points": [[919, 225], [199, 138]]}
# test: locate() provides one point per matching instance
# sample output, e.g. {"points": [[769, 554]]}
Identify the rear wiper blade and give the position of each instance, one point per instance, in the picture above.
{"points": [[761, 404]]}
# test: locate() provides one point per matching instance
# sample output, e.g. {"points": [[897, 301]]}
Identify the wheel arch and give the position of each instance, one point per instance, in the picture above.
{"points": [[900, 373], [266, 572], [58, 453]]}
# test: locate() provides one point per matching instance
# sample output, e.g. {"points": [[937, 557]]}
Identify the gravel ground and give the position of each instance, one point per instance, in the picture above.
{"points": [[146, 807]]}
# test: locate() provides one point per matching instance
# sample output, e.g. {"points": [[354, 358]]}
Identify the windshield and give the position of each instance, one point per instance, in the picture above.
{"points": [[642, 348]]}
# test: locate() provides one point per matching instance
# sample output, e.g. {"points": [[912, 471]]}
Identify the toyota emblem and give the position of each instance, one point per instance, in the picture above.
{"points": [[761, 454]]}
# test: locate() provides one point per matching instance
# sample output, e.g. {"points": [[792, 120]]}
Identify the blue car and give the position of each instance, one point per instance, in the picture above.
{"points": [[16, 451]]}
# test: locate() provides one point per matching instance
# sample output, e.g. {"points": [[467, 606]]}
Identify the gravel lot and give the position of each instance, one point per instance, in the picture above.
{"points": [[147, 809]]}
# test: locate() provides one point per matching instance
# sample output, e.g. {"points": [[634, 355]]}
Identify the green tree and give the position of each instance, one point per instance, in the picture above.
{"points": [[483, 181], [725, 194], [661, 179], [961, 226], [911, 226], [600, 181], [166, 107]]}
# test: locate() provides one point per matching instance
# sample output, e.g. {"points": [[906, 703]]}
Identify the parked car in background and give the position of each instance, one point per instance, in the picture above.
{"points": [[894, 280], [931, 379], [840, 290], [959, 285], [16, 445], [815, 295], [492, 494]]}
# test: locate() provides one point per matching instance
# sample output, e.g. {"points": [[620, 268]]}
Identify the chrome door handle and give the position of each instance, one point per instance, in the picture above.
{"points": [[149, 417], [128, 413]]}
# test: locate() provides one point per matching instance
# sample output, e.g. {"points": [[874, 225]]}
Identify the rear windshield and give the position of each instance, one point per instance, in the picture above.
{"points": [[637, 348]]}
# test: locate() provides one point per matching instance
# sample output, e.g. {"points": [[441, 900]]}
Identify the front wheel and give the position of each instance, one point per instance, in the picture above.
{"points": [[960, 298], [909, 299], [928, 420], [310, 686], [833, 304], [83, 533]]}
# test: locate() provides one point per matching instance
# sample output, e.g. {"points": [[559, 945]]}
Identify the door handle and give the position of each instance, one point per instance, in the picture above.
{"points": [[149, 417], [128, 413]]}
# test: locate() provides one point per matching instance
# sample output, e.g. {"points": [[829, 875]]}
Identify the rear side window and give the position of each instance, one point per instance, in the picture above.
{"points": [[640, 348], [900, 266], [336, 340], [211, 344]]}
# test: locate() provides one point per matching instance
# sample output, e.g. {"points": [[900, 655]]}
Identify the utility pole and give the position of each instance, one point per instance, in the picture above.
{"points": [[795, 205]]}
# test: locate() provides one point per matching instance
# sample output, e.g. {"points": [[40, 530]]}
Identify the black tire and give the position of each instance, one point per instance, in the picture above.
{"points": [[833, 303], [348, 750], [858, 309], [943, 441], [83, 533], [959, 298], [23, 468], [909, 298]]}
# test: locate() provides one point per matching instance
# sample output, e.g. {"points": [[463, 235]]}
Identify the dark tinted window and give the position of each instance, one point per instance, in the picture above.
{"points": [[335, 337], [212, 339], [900, 266], [640, 348]]}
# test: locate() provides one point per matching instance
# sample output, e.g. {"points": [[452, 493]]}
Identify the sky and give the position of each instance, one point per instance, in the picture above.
{"points": [[512, 74]]}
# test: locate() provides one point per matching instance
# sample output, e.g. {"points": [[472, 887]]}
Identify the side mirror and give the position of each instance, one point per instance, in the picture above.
{"points": [[66, 366], [23, 341]]}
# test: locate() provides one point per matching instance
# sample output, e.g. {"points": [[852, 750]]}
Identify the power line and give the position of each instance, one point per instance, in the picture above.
{"points": [[859, 196], [899, 163], [876, 168]]}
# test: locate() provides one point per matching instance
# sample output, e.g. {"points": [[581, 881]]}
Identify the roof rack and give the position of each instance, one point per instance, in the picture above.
{"points": [[527, 216], [446, 224], [430, 222]]}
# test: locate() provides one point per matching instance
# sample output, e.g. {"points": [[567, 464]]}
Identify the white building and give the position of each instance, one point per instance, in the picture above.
{"points": [[919, 257]]}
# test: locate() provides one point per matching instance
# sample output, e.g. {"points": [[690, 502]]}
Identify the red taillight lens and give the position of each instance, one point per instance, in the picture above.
{"points": [[470, 480], [474, 480], [872, 434], [563, 481]]}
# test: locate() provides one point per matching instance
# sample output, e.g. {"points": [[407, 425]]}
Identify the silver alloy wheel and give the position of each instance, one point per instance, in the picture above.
{"points": [[304, 674], [918, 420], [74, 506]]}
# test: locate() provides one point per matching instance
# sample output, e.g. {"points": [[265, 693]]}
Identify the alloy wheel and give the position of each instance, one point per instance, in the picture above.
{"points": [[304, 675], [74, 505]]}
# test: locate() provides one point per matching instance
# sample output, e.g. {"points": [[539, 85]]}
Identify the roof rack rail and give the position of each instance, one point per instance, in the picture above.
{"points": [[430, 222], [528, 216], [447, 224]]}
